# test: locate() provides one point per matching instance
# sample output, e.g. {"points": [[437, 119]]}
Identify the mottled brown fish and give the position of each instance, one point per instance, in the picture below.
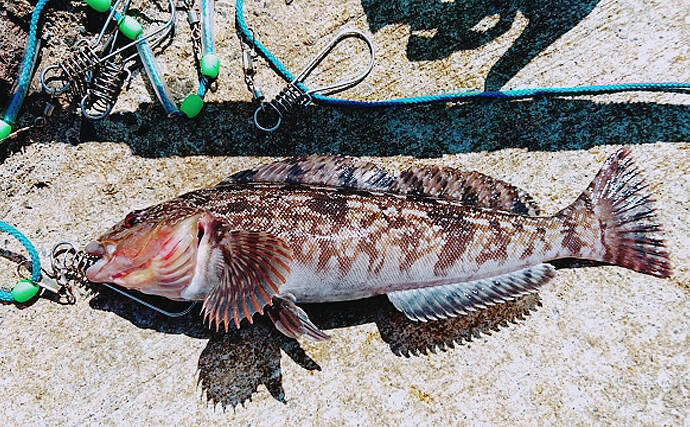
{"points": [[439, 242]]}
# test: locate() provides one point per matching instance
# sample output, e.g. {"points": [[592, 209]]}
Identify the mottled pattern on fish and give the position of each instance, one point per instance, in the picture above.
{"points": [[438, 241], [357, 244]]}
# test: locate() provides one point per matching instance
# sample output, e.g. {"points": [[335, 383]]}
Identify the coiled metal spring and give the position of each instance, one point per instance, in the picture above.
{"points": [[106, 86], [290, 97], [287, 99], [75, 71], [296, 93], [69, 264]]}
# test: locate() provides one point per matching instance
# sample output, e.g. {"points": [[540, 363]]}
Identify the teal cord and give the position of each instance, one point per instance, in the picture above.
{"points": [[284, 73], [33, 254], [148, 60], [207, 41], [26, 68]]}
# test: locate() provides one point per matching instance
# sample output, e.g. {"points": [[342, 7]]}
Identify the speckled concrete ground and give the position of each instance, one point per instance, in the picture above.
{"points": [[598, 345]]}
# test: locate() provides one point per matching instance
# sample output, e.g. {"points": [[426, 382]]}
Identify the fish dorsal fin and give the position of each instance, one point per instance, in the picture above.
{"points": [[467, 187], [245, 270], [444, 301], [317, 169]]}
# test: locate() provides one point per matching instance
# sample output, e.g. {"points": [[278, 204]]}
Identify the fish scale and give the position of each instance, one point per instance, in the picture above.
{"points": [[397, 241]]}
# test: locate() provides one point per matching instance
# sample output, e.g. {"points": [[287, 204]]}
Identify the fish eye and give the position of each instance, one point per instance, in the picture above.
{"points": [[134, 218]]}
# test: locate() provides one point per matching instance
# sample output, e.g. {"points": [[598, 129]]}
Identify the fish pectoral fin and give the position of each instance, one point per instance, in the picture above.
{"points": [[245, 269], [292, 320], [444, 301]]}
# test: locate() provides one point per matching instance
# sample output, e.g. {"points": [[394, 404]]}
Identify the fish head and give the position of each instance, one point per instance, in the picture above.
{"points": [[149, 250]]}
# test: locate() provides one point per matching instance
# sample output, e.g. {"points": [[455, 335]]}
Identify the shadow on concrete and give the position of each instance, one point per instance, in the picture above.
{"points": [[454, 25], [429, 131], [234, 364], [540, 124]]}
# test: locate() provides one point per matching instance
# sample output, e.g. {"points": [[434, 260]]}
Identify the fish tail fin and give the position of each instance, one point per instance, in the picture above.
{"points": [[620, 210]]}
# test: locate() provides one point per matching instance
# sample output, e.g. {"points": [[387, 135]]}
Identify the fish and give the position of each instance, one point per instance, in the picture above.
{"points": [[439, 242]]}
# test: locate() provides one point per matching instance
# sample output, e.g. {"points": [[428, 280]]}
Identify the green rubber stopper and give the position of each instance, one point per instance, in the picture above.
{"points": [[210, 65], [5, 129], [24, 290], [99, 5], [130, 27], [192, 105]]}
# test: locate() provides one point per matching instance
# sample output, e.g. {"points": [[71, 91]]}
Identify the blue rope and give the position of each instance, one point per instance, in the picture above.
{"points": [[33, 254], [26, 68], [148, 60], [450, 96], [207, 45]]}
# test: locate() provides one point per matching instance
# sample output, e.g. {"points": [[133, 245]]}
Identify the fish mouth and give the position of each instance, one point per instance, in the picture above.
{"points": [[98, 271], [162, 265]]}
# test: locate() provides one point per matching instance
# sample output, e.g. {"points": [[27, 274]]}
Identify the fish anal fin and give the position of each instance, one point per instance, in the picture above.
{"points": [[246, 271], [292, 321], [444, 301], [466, 187]]}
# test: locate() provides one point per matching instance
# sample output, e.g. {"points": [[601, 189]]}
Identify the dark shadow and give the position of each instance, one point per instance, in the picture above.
{"points": [[540, 124], [405, 337], [430, 131], [234, 364], [454, 27]]}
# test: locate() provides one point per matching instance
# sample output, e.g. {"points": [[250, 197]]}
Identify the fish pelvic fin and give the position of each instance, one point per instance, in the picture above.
{"points": [[245, 270], [618, 204], [444, 301], [292, 321]]}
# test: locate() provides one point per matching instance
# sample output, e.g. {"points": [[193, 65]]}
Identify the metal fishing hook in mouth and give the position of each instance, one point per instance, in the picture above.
{"points": [[70, 265], [296, 93]]}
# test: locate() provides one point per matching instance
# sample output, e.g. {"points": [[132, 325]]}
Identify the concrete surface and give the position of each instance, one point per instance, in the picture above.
{"points": [[598, 345]]}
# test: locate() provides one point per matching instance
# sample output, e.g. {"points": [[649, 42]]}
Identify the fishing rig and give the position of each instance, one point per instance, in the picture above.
{"points": [[95, 72], [296, 93], [67, 271]]}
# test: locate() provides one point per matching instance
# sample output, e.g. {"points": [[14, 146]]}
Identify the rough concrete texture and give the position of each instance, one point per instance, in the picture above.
{"points": [[598, 345]]}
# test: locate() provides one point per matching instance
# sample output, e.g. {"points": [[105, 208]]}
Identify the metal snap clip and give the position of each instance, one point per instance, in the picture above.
{"points": [[295, 93]]}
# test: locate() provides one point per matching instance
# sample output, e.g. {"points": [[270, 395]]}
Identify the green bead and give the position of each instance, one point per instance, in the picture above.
{"points": [[5, 129], [99, 5], [192, 105], [24, 290], [130, 27], [210, 65]]}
